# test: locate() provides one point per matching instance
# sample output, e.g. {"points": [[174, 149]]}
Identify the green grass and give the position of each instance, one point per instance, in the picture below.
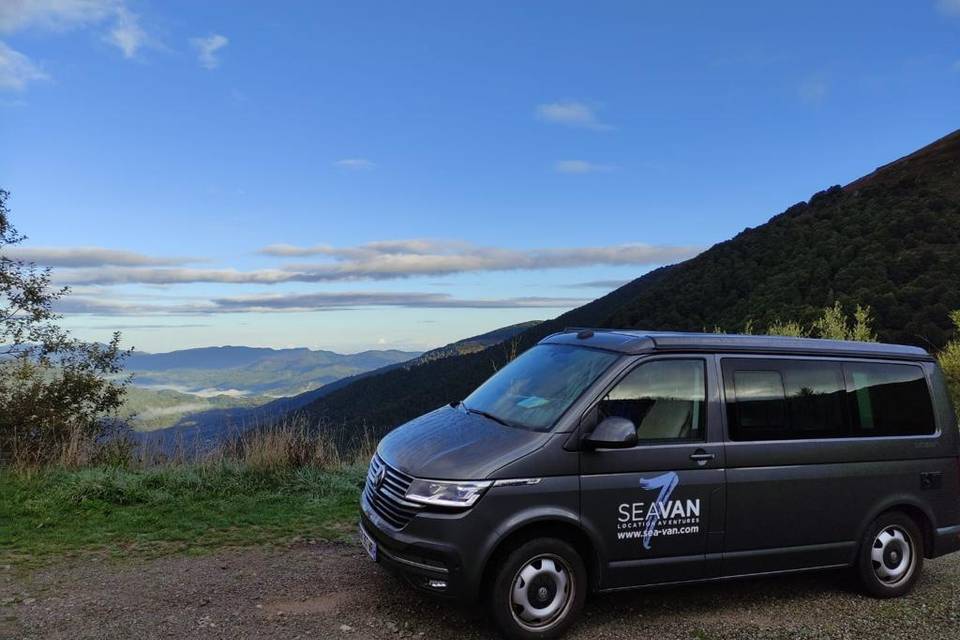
{"points": [[117, 512]]}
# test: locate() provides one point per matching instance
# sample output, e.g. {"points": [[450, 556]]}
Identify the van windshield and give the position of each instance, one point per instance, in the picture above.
{"points": [[534, 390]]}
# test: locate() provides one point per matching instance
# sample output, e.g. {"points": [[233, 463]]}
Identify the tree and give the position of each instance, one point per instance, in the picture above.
{"points": [[833, 324], [57, 393], [950, 361]]}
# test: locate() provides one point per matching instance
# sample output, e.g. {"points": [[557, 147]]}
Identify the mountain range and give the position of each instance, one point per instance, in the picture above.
{"points": [[200, 393], [241, 371]]}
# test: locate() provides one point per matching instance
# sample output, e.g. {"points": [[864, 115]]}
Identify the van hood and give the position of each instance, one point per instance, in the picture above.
{"points": [[451, 444]]}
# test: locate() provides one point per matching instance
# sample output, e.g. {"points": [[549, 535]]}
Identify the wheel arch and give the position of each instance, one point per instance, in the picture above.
{"points": [[557, 525], [913, 508]]}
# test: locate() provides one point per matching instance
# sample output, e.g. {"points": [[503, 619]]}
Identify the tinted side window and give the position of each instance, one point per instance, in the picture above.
{"points": [[761, 400], [665, 399], [889, 399], [784, 399]]}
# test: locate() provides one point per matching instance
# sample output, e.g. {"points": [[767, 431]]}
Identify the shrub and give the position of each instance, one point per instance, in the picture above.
{"points": [[950, 361]]}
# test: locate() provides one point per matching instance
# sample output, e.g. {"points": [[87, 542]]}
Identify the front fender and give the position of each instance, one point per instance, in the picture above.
{"points": [[510, 509]]}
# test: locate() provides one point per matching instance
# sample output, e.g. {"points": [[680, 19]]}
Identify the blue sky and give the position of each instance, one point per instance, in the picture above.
{"points": [[370, 175]]}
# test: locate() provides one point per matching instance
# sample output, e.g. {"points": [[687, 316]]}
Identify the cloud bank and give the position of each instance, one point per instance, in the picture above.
{"points": [[385, 260], [303, 302], [80, 257]]}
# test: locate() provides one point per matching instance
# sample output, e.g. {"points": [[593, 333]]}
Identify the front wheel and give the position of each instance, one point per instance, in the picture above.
{"points": [[538, 590], [891, 556]]}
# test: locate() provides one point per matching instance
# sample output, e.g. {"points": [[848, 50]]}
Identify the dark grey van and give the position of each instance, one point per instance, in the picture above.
{"points": [[602, 460]]}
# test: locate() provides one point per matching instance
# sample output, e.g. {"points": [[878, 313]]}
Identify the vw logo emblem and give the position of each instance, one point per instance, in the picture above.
{"points": [[381, 474]]}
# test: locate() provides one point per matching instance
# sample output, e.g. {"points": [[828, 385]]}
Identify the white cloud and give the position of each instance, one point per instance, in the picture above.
{"points": [[54, 14], [17, 70], [355, 164], [126, 33], [387, 260], [949, 7], [341, 300], [581, 166], [414, 246], [420, 257], [813, 90], [207, 49], [327, 301], [161, 276], [124, 30], [572, 114], [80, 257]]}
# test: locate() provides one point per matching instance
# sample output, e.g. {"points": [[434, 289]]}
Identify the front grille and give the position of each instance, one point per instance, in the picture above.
{"points": [[388, 500]]}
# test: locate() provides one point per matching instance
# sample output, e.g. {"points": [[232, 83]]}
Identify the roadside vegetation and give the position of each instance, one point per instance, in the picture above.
{"points": [[275, 486]]}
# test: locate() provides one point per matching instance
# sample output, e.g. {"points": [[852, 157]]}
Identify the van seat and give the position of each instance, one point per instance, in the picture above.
{"points": [[666, 419]]}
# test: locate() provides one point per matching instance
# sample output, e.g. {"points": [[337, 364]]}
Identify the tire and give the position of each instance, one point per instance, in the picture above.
{"points": [[538, 590], [891, 556]]}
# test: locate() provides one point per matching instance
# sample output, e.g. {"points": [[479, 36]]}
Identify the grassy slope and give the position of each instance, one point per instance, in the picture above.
{"points": [[154, 511]]}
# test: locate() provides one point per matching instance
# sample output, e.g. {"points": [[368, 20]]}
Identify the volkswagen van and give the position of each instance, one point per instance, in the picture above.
{"points": [[602, 460]]}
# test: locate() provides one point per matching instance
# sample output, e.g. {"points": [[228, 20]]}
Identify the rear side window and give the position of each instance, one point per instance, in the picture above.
{"points": [[889, 400], [770, 399], [761, 400], [784, 399]]}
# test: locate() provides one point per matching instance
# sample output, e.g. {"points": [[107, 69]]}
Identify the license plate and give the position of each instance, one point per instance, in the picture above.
{"points": [[368, 544]]}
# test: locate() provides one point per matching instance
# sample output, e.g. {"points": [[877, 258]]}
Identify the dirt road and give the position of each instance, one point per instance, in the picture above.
{"points": [[333, 591]]}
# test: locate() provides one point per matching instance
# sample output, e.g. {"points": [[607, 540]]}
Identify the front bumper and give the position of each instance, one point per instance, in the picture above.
{"points": [[428, 564]]}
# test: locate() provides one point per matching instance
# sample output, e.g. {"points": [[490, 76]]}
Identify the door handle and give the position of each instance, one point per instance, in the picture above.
{"points": [[702, 456]]}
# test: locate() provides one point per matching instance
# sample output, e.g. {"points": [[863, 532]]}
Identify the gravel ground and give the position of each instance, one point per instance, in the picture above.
{"points": [[333, 591]]}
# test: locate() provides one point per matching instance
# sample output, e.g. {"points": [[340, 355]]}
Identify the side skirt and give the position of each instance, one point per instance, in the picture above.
{"points": [[782, 572]]}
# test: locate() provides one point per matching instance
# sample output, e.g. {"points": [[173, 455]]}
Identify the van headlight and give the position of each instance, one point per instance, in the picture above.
{"points": [[442, 493]]}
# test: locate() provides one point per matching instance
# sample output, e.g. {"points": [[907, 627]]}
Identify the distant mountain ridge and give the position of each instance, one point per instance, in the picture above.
{"points": [[475, 343], [222, 415], [226, 357], [254, 370], [890, 240]]}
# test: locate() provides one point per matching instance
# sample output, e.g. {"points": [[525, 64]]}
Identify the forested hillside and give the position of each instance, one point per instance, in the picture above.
{"points": [[890, 241], [475, 343]]}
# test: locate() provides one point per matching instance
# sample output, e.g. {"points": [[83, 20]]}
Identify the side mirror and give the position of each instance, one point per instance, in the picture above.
{"points": [[612, 433]]}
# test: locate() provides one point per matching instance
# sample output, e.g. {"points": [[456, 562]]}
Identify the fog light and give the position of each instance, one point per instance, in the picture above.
{"points": [[436, 584]]}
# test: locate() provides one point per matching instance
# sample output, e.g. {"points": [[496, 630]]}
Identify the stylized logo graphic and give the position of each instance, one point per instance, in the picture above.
{"points": [[666, 483], [378, 481], [661, 518]]}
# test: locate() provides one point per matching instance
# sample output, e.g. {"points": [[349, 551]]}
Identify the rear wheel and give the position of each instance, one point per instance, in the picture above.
{"points": [[891, 555], [538, 590]]}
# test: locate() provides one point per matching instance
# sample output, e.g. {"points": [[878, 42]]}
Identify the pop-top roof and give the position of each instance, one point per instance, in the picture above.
{"points": [[633, 341]]}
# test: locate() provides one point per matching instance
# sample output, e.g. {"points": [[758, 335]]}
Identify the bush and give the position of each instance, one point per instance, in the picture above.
{"points": [[950, 362]]}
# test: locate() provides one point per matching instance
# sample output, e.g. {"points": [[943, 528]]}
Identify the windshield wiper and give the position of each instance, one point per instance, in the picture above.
{"points": [[487, 415]]}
